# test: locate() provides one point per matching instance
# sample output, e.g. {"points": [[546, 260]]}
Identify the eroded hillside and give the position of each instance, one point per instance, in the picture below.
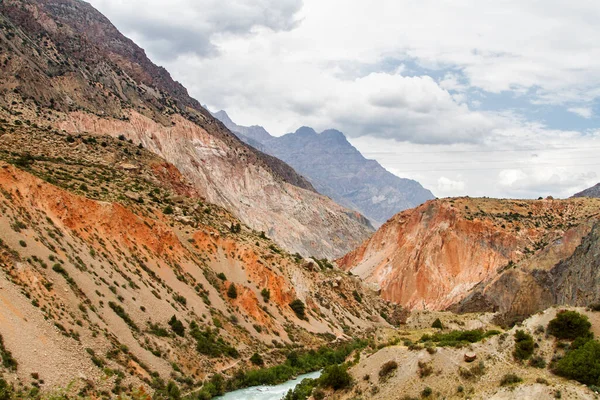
{"points": [[435, 255], [115, 272], [64, 65]]}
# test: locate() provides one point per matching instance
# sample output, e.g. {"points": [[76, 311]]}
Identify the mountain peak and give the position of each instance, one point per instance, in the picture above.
{"points": [[306, 131]]}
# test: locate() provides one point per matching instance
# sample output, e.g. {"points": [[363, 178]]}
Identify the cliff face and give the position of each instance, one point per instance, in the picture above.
{"points": [[102, 243], [66, 66], [443, 251], [337, 169]]}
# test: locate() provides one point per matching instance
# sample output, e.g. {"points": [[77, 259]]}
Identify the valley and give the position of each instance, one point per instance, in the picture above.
{"points": [[152, 250]]}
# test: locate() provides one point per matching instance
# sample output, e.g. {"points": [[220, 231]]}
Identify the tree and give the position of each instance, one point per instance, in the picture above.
{"points": [[177, 326], [335, 377], [232, 292], [582, 364], [570, 325]]}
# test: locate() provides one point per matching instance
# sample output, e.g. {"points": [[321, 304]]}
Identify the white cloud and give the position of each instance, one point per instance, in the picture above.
{"points": [[326, 64], [447, 185], [584, 112]]}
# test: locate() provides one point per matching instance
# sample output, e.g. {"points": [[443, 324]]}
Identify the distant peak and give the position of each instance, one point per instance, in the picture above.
{"points": [[335, 134], [222, 116], [305, 130]]}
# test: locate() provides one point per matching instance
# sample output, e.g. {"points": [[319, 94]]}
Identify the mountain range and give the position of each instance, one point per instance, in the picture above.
{"points": [[147, 252], [337, 169]]}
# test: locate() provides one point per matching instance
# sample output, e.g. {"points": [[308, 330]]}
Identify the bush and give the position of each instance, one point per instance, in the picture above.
{"points": [[458, 338], [537, 362], [232, 292], [168, 210], [335, 377], [8, 361], [266, 294], [121, 313], [426, 392], [424, 369], [524, 345], [582, 364], [256, 359], [569, 325], [510, 379], [221, 276], [177, 326], [388, 368], [6, 390], [594, 307], [299, 308], [437, 324]]}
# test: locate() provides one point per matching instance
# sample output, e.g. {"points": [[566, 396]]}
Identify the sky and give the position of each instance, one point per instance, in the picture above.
{"points": [[469, 97]]}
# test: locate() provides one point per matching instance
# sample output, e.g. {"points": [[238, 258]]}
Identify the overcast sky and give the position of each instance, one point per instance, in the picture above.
{"points": [[483, 98]]}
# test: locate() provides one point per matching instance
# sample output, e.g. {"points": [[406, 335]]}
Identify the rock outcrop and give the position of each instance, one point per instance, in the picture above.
{"points": [[446, 250]]}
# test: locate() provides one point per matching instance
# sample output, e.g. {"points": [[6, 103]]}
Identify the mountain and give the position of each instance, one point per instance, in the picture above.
{"points": [[66, 66], [116, 274], [447, 250], [337, 169], [594, 191]]}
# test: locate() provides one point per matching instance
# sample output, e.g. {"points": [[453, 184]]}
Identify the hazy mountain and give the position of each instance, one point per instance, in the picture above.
{"points": [[337, 169], [594, 191]]}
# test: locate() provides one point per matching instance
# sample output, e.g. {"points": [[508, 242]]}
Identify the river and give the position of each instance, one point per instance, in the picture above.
{"points": [[267, 392]]}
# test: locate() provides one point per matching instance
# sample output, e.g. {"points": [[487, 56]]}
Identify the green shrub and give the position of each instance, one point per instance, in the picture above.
{"points": [[298, 307], [537, 362], [8, 361], [6, 390], [437, 324], [387, 368], [569, 325], [581, 364], [168, 210], [266, 295], [524, 345], [510, 379], [121, 313], [177, 326], [458, 338], [426, 392], [335, 377], [256, 359], [209, 343], [232, 292], [357, 296], [221, 276]]}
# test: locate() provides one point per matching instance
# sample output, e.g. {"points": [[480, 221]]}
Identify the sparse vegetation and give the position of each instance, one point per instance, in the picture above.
{"points": [[232, 292], [458, 338], [510, 379]]}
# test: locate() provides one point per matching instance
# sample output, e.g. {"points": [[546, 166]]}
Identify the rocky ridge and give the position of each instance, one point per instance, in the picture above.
{"points": [[66, 66]]}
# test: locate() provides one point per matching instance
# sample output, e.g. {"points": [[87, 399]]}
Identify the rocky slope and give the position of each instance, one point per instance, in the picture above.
{"points": [[448, 375], [337, 169], [66, 66], [102, 244], [570, 276], [447, 250]]}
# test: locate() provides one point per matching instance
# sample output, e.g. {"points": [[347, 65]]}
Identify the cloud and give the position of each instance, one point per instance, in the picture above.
{"points": [[584, 112], [446, 185], [171, 28], [437, 91]]}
